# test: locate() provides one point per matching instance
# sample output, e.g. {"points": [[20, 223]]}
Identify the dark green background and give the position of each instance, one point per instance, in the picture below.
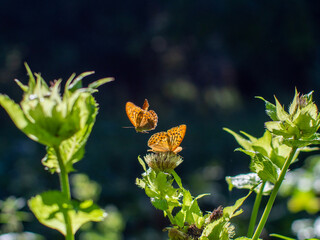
{"points": [[198, 62]]}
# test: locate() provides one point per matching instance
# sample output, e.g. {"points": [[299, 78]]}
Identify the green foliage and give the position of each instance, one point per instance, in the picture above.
{"points": [[248, 181], [188, 219], [158, 186], [286, 136], [222, 228], [280, 236], [63, 123], [51, 207], [46, 117], [299, 126]]}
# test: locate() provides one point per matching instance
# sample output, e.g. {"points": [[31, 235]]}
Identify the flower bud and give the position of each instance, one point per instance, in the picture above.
{"points": [[301, 122], [49, 118], [163, 161]]}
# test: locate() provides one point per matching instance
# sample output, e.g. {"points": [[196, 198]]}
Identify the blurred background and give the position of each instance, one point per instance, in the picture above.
{"points": [[200, 63]]}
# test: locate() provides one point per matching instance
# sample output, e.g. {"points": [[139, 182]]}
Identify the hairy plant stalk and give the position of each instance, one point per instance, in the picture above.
{"points": [[255, 210], [274, 193], [65, 189]]}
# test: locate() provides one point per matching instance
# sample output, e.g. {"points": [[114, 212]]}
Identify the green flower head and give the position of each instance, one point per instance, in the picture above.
{"points": [[300, 123], [49, 118], [163, 161]]}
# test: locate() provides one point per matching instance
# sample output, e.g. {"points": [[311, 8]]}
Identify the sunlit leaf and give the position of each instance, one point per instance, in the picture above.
{"points": [[248, 181], [280, 236], [270, 109], [246, 144], [265, 168], [100, 82], [51, 207]]}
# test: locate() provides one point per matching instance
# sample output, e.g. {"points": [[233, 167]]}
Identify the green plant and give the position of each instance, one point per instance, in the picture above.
{"points": [[63, 124], [286, 135]]}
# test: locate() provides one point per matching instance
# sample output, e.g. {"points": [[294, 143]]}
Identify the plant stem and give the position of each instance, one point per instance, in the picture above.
{"points": [[65, 189], [274, 194], [170, 217], [255, 210]]}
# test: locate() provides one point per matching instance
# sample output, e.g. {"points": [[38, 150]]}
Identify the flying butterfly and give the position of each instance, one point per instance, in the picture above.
{"points": [[168, 141], [142, 119]]}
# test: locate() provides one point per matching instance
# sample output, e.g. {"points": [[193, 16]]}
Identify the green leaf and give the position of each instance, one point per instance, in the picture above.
{"points": [[270, 109], [233, 211], [32, 81], [51, 207], [282, 115], [16, 114], [50, 161], [246, 144], [14, 111], [248, 181], [100, 82], [177, 178], [72, 149], [160, 204], [243, 238], [142, 163], [24, 88], [280, 236], [265, 168], [295, 103], [77, 82], [141, 183]]}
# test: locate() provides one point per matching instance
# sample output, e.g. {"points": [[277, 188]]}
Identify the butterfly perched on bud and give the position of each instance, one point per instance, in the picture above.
{"points": [[142, 119], [168, 141]]}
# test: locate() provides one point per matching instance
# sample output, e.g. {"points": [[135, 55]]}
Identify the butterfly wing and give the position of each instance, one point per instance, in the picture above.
{"points": [[175, 137], [158, 142], [145, 105], [132, 112]]}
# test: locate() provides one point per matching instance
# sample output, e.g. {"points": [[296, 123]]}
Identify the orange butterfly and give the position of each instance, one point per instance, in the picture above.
{"points": [[142, 119], [168, 141]]}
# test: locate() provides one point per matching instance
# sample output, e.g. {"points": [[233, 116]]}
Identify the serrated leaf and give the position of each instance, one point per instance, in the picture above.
{"points": [[265, 168], [51, 207], [246, 144], [50, 161], [141, 183], [295, 103], [270, 109], [282, 115]]}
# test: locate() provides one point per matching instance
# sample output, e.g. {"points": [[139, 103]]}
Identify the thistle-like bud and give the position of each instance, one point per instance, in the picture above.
{"points": [[49, 118], [194, 232], [216, 214], [300, 123], [163, 161]]}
